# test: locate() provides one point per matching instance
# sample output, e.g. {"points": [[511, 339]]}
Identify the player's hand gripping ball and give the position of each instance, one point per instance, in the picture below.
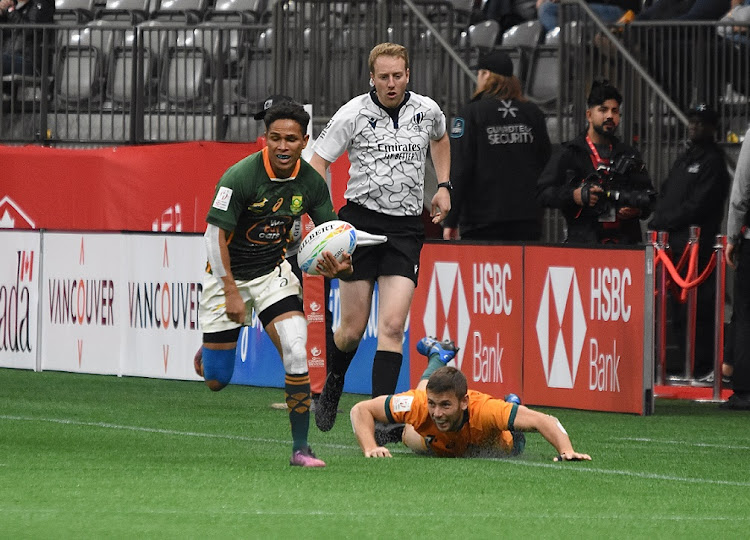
{"points": [[336, 236]]}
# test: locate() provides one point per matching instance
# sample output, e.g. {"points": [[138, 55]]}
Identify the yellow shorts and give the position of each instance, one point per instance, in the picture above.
{"points": [[259, 293]]}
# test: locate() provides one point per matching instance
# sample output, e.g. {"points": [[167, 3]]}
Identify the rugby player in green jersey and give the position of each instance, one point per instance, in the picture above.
{"points": [[254, 208]]}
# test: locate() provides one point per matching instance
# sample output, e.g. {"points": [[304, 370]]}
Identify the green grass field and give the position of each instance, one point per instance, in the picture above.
{"points": [[85, 456]]}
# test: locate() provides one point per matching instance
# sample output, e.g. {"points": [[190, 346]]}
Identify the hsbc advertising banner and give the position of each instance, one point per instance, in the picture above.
{"points": [[472, 294], [19, 293], [588, 333]]}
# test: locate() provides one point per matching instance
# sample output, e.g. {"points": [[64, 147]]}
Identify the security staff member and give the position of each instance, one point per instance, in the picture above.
{"points": [[694, 193], [499, 145], [571, 180]]}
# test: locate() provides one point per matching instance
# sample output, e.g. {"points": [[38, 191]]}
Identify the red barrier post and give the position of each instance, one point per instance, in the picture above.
{"points": [[661, 312], [721, 266], [692, 304]]}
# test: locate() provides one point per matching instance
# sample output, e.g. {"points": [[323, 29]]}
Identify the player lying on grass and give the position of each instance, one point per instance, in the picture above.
{"points": [[445, 419], [254, 208]]}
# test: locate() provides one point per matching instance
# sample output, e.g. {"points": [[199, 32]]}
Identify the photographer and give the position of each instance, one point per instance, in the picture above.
{"points": [[600, 184]]}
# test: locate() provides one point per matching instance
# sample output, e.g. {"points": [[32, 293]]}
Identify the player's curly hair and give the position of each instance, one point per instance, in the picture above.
{"points": [[448, 379], [388, 49], [287, 110]]}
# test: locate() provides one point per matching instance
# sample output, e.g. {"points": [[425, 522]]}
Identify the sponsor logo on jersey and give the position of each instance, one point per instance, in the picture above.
{"points": [[401, 403], [694, 168], [457, 130], [372, 122], [257, 206], [223, 196], [269, 231], [296, 205]]}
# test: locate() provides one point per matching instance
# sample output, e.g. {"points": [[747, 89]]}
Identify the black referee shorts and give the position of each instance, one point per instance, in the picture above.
{"points": [[399, 256]]}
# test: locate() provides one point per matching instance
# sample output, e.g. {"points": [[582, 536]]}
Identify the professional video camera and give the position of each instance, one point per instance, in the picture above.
{"points": [[617, 185]]}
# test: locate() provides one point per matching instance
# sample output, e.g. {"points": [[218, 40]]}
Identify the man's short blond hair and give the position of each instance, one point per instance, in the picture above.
{"points": [[388, 49]]}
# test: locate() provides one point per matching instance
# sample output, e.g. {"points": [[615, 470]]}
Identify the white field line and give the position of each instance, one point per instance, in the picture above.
{"points": [[156, 430], [393, 513], [683, 443], [635, 474], [569, 466]]}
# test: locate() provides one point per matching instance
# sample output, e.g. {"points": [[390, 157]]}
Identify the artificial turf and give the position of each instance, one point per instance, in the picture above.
{"points": [[85, 456]]}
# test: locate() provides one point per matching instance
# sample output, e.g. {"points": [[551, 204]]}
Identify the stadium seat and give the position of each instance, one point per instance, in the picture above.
{"points": [[80, 71], [256, 70], [183, 11], [239, 18], [123, 11], [543, 81], [519, 42], [483, 34], [73, 12]]}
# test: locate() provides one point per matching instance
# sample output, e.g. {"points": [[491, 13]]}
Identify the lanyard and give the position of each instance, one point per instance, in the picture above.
{"points": [[596, 159]]}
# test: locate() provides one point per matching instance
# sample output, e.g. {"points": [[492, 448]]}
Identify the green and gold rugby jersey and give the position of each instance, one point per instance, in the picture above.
{"points": [[259, 210]]}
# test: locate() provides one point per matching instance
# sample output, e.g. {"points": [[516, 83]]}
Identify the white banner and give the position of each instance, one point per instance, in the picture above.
{"points": [[161, 295], [20, 258], [122, 304], [83, 306]]}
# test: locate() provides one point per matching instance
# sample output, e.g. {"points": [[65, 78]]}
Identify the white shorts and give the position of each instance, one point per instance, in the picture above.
{"points": [[259, 293]]}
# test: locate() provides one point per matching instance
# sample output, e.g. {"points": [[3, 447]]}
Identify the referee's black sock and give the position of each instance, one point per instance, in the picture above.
{"points": [[385, 369], [337, 361]]}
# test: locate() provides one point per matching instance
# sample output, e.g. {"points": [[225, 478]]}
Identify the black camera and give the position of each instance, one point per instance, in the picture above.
{"points": [[617, 186]]}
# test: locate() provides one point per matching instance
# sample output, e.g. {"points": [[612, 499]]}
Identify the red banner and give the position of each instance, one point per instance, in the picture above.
{"points": [[315, 313], [136, 188], [474, 296], [584, 328]]}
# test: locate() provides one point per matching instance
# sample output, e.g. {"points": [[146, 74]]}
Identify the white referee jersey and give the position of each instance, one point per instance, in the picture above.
{"points": [[387, 157]]}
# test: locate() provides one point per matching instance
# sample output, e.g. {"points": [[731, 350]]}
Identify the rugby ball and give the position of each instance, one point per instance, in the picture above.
{"points": [[336, 236]]}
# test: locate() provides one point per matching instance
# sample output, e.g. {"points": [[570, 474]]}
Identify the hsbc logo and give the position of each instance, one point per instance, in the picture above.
{"points": [[446, 313], [561, 327]]}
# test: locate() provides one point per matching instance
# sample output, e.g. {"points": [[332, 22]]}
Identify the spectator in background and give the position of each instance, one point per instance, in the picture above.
{"points": [[694, 193], [738, 257], [692, 48], [499, 146], [609, 11], [22, 49], [509, 13], [387, 133], [575, 177], [686, 10]]}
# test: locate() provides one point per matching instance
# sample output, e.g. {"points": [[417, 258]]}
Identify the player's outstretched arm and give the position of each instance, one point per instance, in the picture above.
{"points": [[551, 429], [363, 416]]}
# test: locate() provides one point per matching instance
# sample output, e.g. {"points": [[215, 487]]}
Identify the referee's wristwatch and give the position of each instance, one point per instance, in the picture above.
{"points": [[447, 185]]}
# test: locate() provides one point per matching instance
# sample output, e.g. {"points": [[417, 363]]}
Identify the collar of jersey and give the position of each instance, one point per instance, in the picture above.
{"points": [[269, 169], [393, 113]]}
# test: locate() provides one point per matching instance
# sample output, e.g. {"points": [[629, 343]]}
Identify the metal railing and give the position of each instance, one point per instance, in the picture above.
{"points": [[117, 82], [161, 81]]}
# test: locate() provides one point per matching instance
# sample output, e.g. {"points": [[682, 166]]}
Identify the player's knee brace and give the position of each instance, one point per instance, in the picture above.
{"points": [[218, 365], [293, 337]]}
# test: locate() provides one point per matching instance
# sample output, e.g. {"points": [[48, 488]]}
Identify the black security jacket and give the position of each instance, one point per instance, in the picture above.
{"points": [[498, 150]]}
